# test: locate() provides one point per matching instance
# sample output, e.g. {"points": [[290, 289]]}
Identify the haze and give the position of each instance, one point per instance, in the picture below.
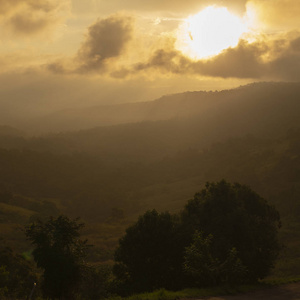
{"points": [[67, 54]]}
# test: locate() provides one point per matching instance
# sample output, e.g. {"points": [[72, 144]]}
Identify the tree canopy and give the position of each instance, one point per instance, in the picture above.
{"points": [[236, 217], [148, 256], [59, 252]]}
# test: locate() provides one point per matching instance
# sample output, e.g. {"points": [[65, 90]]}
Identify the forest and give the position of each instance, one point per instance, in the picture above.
{"points": [[112, 175]]}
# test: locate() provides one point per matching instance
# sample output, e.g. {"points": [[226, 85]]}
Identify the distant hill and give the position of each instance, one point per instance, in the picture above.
{"points": [[184, 105], [10, 131], [195, 120]]}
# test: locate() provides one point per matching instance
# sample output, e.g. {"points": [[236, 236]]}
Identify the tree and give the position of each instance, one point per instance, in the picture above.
{"points": [[239, 219], [60, 253], [149, 255]]}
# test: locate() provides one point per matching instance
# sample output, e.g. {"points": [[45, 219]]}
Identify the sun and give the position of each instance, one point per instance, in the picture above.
{"points": [[209, 32]]}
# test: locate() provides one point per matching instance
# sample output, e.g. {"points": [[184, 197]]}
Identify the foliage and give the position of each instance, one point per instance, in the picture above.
{"points": [[17, 275], [194, 293], [206, 270], [227, 234], [149, 255], [4, 278], [60, 253], [239, 219], [199, 263], [96, 282], [232, 271]]}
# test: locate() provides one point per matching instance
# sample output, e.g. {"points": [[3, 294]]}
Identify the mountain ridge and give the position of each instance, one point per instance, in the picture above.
{"points": [[179, 105]]}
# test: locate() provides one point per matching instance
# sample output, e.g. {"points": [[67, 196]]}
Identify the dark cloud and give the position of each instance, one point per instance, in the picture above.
{"points": [[266, 60], [31, 16], [167, 61], [295, 45], [57, 67], [240, 62], [243, 61], [287, 65], [27, 23], [106, 39]]}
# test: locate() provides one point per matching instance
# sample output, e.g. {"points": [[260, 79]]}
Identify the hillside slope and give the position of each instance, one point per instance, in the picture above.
{"points": [[198, 119], [184, 105]]}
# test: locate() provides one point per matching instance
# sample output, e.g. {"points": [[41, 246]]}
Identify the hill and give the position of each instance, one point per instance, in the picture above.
{"points": [[184, 105], [109, 175], [194, 120]]}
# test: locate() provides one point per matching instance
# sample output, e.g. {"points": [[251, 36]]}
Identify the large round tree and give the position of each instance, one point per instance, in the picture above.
{"points": [[239, 219], [149, 256]]}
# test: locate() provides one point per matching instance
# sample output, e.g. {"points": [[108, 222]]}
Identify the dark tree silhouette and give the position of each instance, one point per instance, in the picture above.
{"points": [[226, 234], [149, 255], [239, 219], [59, 252]]}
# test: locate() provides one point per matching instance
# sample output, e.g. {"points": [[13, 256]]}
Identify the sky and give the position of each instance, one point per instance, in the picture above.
{"points": [[57, 54]]}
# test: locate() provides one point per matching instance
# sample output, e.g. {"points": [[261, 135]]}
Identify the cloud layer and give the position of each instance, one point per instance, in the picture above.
{"points": [[115, 48], [279, 59], [27, 17]]}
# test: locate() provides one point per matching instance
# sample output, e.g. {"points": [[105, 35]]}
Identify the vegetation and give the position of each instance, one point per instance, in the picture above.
{"points": [[59, 252], [243, 229], [149, 256], [227, 234], [17, 275]]}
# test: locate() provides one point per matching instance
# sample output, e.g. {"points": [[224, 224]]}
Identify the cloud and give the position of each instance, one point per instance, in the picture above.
{"points": [[266, 59], [243, 61], [278, 59], [28, 24], [263, 59], [172, 6], [26, 17], [287, 65], [269, 57], [106, 40]]}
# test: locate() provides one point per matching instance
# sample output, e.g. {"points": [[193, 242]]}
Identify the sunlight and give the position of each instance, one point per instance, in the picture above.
{"points": [[209, 32]]}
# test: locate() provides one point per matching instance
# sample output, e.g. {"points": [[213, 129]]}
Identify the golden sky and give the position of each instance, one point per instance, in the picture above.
{"points": [[61, 53]]}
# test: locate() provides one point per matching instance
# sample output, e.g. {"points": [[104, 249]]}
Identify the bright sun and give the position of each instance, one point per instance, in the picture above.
{"points": [[209, 32]]}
